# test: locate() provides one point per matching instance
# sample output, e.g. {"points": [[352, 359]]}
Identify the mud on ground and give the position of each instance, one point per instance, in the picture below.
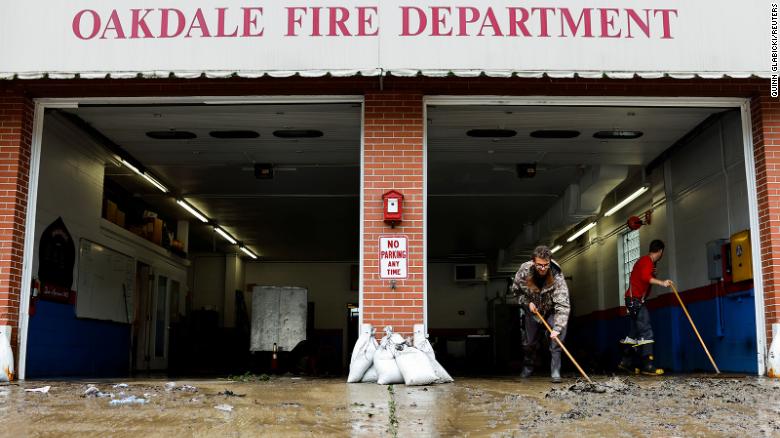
{"points": [[291, 406]]}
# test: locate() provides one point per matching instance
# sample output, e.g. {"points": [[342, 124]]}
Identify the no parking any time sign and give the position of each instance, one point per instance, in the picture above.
{"points": [[393, 257]]}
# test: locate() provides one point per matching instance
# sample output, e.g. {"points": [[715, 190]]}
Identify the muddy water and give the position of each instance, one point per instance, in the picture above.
{"points": [[283, 406]]}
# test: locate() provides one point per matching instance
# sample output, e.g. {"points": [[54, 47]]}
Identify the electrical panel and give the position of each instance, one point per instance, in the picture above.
{"points": [[741, 256], [715, 259]]}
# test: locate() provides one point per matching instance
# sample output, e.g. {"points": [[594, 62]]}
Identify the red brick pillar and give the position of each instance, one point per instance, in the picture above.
{"points": [[393, 160], [765, 113], [16, 125]]}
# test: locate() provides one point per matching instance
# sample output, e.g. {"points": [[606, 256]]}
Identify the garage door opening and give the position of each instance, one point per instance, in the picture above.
{"points": [[503, 179], [156, 224]]}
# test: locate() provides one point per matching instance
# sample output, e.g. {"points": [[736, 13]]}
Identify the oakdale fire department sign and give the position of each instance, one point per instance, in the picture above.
{"points": [[251, 38], [393, 257]]}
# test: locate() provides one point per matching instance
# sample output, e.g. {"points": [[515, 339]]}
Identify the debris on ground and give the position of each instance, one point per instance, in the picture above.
{"points": [[188, 388], [249, 377], [170, 386], [129, 400], [120, 385], [94, 391], [224, 407], [613, 385], [229, 393], [42, 389]]}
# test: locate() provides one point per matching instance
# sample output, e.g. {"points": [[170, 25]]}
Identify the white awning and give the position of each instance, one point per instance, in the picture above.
{"points": [[187, 39]]}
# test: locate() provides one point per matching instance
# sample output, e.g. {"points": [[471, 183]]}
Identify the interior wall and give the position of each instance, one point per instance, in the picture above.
{"points": [[328, 286], [707, 183], [455, 305], [208, 282], [70, 186]]}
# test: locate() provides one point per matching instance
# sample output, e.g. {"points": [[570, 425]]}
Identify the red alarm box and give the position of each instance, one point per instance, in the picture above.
{"points": [[393, 207]]}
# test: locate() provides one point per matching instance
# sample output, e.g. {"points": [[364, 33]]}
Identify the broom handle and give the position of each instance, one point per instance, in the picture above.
{"points": [[560, 344], [676, 294]]}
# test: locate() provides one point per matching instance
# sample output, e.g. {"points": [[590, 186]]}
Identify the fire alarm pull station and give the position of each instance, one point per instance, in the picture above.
{"points": [[393, 207]]}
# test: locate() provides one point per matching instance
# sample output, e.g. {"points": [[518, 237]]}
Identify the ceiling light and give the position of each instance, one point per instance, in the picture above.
{"points": [[581, 231], [298, 133], [626, 201], [618, 135], [225, 234], [556, 248], [171, 135], [491, 133], [234, 134], [192, 210], [146, 176], [555, 133], [154, 182], [131, 167], [248, 252]]}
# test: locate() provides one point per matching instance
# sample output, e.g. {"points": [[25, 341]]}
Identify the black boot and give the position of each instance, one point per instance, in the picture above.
{"points": [[649, 369], [555, 368]]}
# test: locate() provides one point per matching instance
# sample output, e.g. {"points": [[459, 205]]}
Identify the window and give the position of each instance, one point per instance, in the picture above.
{"points": [[629, 254]]}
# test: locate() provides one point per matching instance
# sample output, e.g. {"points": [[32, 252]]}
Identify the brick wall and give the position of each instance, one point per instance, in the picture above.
{"points": [[393, 158], [766, 149], [16, 121], [393, 161]]}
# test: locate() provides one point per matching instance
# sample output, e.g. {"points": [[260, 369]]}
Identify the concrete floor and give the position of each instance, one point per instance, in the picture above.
{"points": [[285, 406]]}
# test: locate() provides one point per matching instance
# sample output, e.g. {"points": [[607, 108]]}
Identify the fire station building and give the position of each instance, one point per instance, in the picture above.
{"points": [[175, 175]]}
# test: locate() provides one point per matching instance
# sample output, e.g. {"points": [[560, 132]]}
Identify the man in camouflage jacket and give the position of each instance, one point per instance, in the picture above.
{"points": [[540, 286]]}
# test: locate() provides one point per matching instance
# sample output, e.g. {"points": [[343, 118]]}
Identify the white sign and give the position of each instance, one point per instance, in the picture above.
{"points": [[251, 38], [393, 257]]}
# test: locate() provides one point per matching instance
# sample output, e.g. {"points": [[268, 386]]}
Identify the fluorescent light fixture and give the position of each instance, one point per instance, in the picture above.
{"points": [[248, 252], [155, 183], [192, 210], [224, 234], [556, 248], [146, 176], [581, 231], [626, 201], [131, 167]]}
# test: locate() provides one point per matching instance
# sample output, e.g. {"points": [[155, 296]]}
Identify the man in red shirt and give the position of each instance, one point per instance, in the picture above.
{"points": [[640, 336]]}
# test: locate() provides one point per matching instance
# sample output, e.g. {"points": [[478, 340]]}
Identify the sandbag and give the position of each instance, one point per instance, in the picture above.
{"points": [[6, 356], [370, 376], [362, 356], [442, 376], [415, 367], [386, 368]]}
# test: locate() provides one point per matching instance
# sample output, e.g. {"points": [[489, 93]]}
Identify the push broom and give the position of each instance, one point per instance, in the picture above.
{"points": [[676, 294], [560, 344]]}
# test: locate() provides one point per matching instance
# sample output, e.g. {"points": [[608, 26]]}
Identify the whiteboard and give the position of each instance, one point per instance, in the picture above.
{"points": [[106, 282]]}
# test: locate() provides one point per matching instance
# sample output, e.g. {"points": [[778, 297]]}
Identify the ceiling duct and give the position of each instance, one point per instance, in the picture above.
{"points": [[579, 201]]}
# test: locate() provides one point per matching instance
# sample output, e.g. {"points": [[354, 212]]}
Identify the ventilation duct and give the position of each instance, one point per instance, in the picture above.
{"points": [[579, 201]]}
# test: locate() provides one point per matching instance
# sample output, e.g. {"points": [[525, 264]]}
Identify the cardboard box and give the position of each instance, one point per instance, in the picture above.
{"points": [[110, 211], [157, 232]]}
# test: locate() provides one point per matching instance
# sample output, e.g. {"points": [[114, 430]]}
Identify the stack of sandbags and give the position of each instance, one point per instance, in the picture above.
{"points": [[384, 360], [414, 365], [362, 355], [394, 360], [6, 355], [421, 343]]}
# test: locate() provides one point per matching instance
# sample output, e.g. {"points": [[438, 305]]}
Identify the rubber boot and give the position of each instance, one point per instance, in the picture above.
{"points": [[555, 368], [626, 365], [649, 369]]}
